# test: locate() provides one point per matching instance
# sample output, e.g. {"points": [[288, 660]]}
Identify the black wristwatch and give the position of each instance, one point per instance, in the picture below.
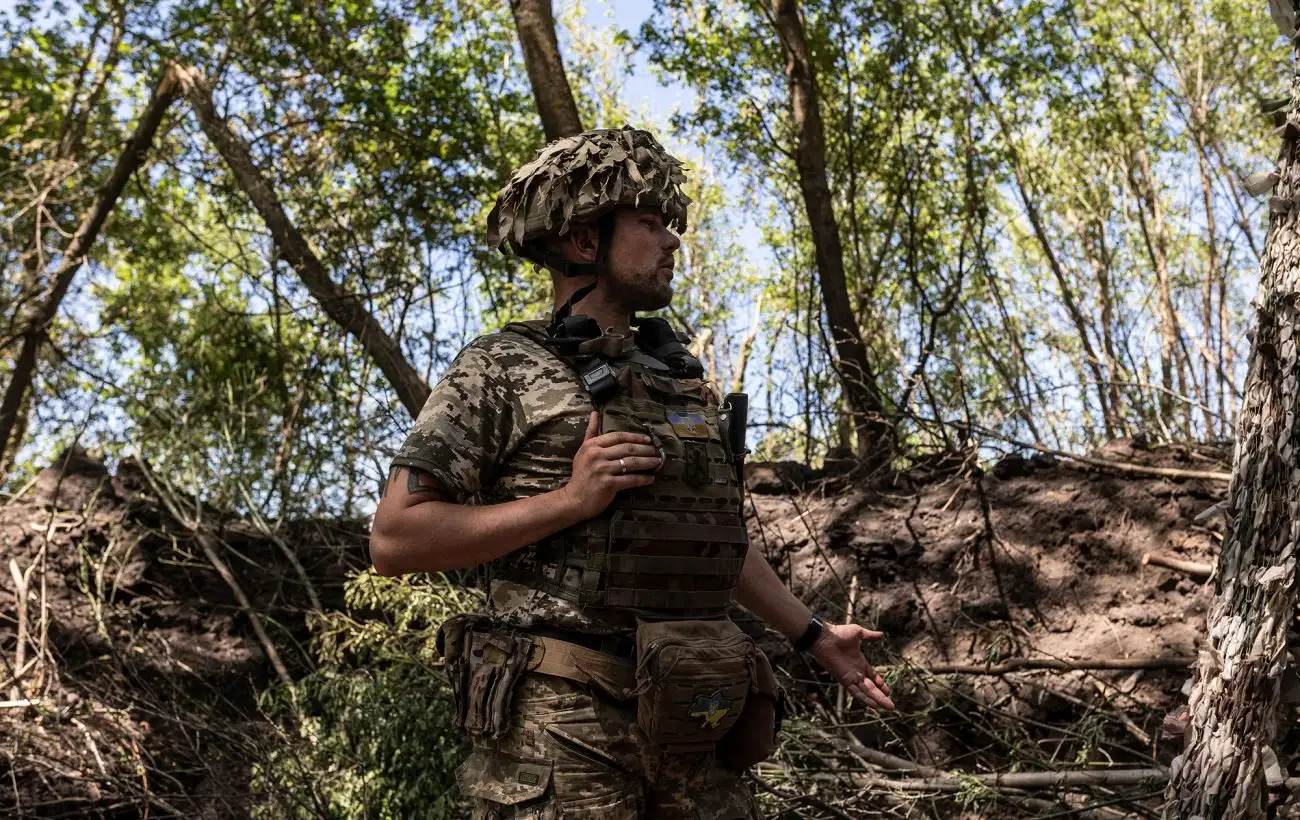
{"points": [[810, 635]]}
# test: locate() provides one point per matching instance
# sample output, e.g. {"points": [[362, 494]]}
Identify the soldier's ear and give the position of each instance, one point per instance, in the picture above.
{"points": [[583, 240]]}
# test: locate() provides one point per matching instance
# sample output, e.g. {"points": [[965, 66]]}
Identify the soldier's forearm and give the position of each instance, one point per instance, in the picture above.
{"points": [[763, 593], [435, 535]]}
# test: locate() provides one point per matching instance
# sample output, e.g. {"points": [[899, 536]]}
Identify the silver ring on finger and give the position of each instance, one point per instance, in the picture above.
{"points": [[622, 466]]}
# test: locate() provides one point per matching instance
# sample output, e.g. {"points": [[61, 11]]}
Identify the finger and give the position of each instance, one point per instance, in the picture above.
{"points": [[628, 451], [865, 634], [872, 698], [614, 439], [631, 480], [881, 685], [593, 426], [622, 466], [875, 696]]}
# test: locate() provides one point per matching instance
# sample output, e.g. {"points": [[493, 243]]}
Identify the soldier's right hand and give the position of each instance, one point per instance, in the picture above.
{"points": [[607, 463]]}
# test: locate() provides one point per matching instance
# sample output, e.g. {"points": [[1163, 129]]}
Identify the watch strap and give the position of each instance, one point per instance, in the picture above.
{"points": [[810, 635]]}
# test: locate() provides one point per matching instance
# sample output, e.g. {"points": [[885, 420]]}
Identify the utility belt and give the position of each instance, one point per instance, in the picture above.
{"points": [[699, 686]]}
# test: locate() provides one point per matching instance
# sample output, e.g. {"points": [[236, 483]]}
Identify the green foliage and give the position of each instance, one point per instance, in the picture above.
{"points": [[369, 732]]}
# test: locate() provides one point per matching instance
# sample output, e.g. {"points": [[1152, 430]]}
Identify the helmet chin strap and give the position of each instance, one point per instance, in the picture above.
{"points": [[557, 262]]}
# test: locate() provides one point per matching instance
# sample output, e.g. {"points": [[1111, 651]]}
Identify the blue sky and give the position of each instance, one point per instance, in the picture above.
{"points": [[643, 90]]}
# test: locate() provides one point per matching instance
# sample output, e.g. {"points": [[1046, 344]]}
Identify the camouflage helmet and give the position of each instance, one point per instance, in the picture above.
{"points": [[582, 177]]}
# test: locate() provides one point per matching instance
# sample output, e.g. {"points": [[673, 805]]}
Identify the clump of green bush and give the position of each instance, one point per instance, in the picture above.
{"points": [[368, 733]]}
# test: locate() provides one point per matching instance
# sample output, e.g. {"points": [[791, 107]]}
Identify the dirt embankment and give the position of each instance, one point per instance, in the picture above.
{"points": [[141, 659], [1041, 562], [150, 663]]}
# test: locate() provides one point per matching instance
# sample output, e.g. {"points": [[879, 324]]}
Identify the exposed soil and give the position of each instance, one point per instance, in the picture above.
{"points": [[1038, 559], [151, 700], [150, 704]]}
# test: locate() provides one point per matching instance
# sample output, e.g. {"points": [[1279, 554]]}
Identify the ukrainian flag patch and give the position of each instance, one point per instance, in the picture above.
{"points": [[688, 425]]}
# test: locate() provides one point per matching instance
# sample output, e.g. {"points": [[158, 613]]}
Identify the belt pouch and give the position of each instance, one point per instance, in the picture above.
{"points": [[484, 665], [753, 739], [693, 679]]}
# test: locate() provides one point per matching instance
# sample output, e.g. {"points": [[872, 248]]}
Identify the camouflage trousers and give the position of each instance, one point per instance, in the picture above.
{"points": [[571, 754]]}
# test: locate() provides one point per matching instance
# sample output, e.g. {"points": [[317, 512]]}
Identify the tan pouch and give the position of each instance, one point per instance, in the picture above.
{"points": [[693, 679], [453, 645], [753, 739], [484, 666]]}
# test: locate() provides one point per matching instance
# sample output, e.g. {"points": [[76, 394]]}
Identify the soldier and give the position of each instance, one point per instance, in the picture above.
{"points": [[586, 465]]}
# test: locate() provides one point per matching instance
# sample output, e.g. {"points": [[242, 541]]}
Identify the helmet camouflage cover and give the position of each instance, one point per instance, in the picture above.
{"points": [[582, 177]]}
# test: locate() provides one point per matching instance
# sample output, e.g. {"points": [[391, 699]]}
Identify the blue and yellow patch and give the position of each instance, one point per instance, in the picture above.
{"points": [[712, 708], [688, 425]]}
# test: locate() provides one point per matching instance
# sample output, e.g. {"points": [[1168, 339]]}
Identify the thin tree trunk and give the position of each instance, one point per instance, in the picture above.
{"points": [[1157, 244], [1077, 317], [1235, 699], [871, 424], [58, 168], [1216, 317], [746, 347], [1094, 250], [1212, 275], [536, 24], [1200, 125], [343, 307], [38, 314]]}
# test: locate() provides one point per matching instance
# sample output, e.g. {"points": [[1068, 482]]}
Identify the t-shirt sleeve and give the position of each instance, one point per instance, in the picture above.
{"points": [[464, 427]]}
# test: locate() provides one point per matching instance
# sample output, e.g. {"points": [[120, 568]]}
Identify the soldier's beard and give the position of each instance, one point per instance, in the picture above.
{"points": [[651, 291]]}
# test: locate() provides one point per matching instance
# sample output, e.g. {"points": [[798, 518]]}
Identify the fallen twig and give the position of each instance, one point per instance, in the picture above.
{"points": [[1020, 664], [1020, 780], [20, 653], [1004, 792], [1194, 568], [885, 760], [801, 798], [1118, 466], [207, 543]]}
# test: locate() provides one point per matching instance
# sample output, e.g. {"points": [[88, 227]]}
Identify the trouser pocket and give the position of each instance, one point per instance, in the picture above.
{"points": [[506, 788]]}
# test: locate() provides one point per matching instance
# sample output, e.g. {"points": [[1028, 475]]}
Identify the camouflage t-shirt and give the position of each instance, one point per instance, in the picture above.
{"points": [[504, 423]]}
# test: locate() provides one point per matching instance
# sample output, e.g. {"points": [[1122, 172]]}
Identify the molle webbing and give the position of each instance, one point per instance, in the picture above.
{"points": [[674, 549]]}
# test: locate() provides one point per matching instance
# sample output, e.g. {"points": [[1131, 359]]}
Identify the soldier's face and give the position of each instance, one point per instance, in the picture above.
{"points": [[641, 260]]}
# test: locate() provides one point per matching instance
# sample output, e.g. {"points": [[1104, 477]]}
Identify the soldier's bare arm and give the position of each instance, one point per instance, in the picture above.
{"points": [[416, 529], [838, 650]]}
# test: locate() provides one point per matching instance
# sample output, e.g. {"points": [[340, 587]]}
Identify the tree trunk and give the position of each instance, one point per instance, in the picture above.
{"points": [[1157, 244], [1095, 251], [1234, 703], [536, 25], [1027, 197], [870, 420], [1214, 279], [344, 308], [38, 314]]}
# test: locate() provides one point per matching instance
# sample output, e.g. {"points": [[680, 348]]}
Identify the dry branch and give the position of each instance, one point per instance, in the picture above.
{"points": [[1021, 664], [343, 307], [37, 317], [207, 543], [1101, 463], [1193, 568], [930, 778], [20, 653]]}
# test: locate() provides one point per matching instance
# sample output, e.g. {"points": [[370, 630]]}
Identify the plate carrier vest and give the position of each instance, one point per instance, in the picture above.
{"points": [[672, 550]]}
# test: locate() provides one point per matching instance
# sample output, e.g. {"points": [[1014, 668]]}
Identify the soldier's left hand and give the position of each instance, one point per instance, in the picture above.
{"points": [[839, 651]]}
